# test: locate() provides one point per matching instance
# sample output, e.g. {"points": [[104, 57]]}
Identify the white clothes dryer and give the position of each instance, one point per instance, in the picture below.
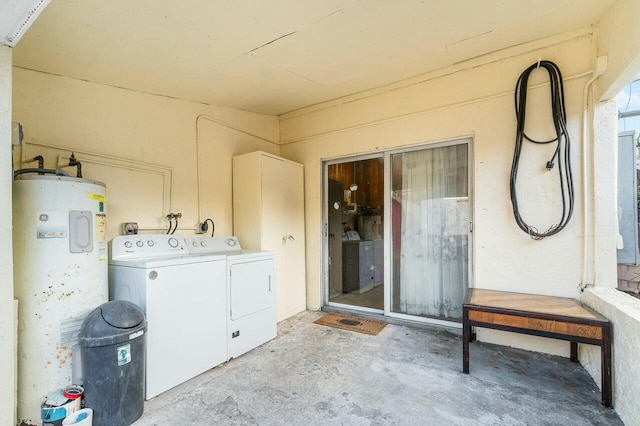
{"points": [[184, 300], [251, 292]]}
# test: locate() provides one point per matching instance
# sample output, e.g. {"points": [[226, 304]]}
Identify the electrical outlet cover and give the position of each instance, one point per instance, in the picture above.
{"points": [[130, 228]]}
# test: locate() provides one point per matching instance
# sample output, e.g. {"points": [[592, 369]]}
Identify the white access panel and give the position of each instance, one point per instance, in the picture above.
{"points": [[252, 299], [185, 307]]}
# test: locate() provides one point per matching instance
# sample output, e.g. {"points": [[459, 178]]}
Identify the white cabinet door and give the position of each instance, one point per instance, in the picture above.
{"points": [[283, 217], [268, 214]]}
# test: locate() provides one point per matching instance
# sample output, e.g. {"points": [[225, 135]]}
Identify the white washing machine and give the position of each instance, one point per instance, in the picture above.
{"points": [[184, 300], [251, 292]]}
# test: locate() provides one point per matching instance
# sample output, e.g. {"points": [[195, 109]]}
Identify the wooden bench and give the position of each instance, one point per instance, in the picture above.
{"points": [[546, 316]]}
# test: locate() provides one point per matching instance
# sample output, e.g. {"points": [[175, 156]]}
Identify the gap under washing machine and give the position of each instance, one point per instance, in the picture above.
{"points": [[184, 300], [251, 292]]}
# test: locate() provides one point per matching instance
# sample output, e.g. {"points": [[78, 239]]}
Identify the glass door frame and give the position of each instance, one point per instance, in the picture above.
{"points": [[325, 230], [388, 264]]}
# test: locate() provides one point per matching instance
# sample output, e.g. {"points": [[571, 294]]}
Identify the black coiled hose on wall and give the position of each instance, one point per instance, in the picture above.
{"points": [[561, 153]]}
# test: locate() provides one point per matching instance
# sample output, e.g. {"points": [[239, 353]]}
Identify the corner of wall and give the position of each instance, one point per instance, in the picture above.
{"points": [[7, 303], [623, 311], [618, 37], [605, 221]]}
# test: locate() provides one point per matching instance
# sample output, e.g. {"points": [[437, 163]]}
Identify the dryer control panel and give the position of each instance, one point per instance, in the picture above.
{"points": [[213, 245], [146, 246]]}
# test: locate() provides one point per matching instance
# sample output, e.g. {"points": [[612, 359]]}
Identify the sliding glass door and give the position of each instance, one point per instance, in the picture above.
{"points": [[430, 231], [421, 232]]}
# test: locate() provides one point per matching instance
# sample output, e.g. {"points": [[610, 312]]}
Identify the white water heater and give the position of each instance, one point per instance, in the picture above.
{"points": [[60, 275]]}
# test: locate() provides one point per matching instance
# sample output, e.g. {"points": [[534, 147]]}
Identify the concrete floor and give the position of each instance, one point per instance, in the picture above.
{"points": [[316, 375]]}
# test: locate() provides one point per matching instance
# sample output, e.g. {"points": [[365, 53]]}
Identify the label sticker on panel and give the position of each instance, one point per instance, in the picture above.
{"points": [[51, 225], [101, 227], [102, 251], [124, 354], [95, 196]]}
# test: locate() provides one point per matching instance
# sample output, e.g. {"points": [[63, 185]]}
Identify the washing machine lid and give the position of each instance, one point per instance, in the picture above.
{"points": [[146, 246], [160, 262]]}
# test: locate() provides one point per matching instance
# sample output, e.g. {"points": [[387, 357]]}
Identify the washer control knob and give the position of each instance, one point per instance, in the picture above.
{"points": [[203, 243], [150, 243], [127, 244], [195, 243], [231, 242], [173, 242], [139, 243]]}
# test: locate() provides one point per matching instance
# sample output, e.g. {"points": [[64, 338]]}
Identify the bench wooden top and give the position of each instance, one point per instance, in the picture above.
{"points": [[534, 303]]}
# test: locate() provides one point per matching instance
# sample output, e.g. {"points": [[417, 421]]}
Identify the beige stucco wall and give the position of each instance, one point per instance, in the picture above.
{"points": [[618, 34], [474, 98], [115, 124], [7, 323]]}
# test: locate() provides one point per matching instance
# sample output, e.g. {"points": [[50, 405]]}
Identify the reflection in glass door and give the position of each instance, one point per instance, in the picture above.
{"points": [[355, 244], [430, 220]]}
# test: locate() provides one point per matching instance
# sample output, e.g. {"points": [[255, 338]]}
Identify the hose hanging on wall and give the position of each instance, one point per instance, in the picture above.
{"points": [[562, 151]]}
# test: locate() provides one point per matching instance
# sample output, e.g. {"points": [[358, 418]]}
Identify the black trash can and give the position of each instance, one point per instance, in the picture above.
{"points": [[112, 349]]}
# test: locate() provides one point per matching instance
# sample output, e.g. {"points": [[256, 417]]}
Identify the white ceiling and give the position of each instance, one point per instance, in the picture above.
{"points": [[275, 56]]}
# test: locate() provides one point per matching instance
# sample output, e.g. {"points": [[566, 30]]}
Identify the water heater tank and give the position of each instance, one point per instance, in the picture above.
{"points": [[60, 275]]}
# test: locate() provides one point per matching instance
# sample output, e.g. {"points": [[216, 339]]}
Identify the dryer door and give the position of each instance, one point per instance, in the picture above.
{"points": [[251, 288]]}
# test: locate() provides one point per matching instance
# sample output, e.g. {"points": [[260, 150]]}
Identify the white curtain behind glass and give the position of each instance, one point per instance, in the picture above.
{"points": [[434, 238]]}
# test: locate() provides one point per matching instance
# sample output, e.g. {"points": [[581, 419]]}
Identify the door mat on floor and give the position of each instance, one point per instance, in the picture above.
{"points": [[351, 323]]}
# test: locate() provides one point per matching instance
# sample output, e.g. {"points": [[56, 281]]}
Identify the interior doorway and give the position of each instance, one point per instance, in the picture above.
{"points": [[355, 243]]}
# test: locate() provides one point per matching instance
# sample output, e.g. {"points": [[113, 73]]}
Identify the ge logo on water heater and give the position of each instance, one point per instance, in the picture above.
{"points": [[153, 275], [44, 217]]}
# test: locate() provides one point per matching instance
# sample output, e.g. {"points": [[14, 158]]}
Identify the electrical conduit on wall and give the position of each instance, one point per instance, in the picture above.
{"points": [[425, 111], [164, 172], [600, 68], [228, 126]]}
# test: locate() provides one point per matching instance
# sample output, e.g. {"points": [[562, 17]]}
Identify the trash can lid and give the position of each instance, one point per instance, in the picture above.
{"points": [[112, 322], [122, 314]]}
